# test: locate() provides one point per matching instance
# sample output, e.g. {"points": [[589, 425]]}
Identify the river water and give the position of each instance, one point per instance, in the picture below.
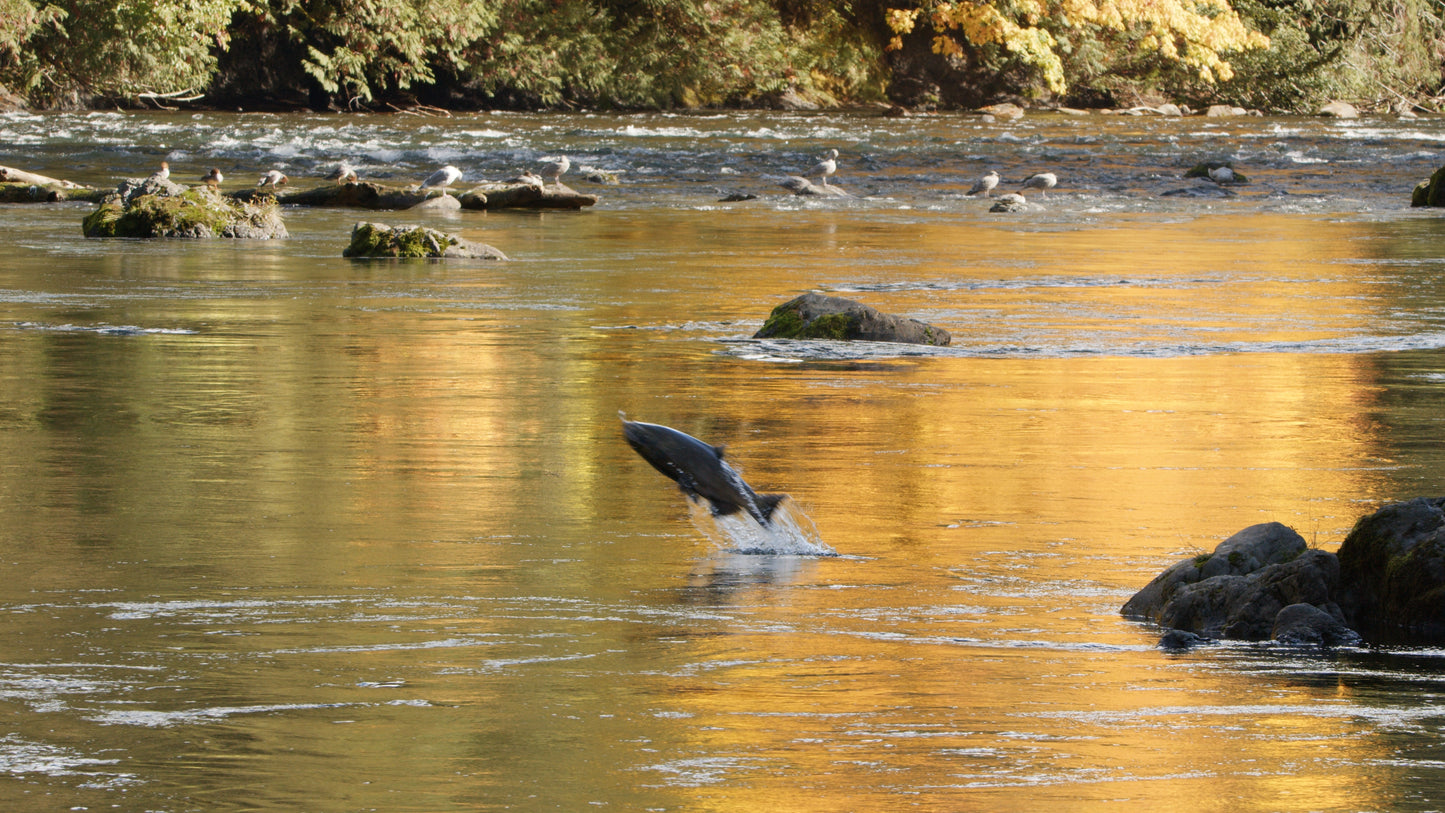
{"points": [[281, 531]]}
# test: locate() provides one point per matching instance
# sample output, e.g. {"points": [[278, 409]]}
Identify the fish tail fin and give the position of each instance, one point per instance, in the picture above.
{"points": [[768, 502]]}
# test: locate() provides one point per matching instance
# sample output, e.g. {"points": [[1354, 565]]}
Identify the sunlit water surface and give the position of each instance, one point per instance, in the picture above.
{"points": [[280, 531]]}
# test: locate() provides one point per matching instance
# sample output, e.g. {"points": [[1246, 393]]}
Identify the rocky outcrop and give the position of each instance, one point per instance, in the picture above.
{"points": [[418, 242], [1386, 584], [816, 316], [159, 208], [1340, 110]]}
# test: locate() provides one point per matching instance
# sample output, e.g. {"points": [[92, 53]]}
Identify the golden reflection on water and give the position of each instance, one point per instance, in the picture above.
{"points": [[467, 592]]}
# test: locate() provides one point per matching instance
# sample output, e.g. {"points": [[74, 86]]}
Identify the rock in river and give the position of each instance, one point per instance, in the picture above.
{"points": [[381, 240], [155, 207], [1386, 584], [816, 316]]}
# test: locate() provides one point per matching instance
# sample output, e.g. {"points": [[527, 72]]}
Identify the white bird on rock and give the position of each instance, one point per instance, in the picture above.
{"points": [[344, 173], [1221, 175], [212, 178], [825, 167], [441, 179], [985, 185], [555, 168], [273, 179], [163, 173], [1044, 181]]}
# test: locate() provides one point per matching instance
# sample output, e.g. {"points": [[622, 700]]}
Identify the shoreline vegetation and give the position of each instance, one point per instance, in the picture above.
{"points": [[432, 56]]}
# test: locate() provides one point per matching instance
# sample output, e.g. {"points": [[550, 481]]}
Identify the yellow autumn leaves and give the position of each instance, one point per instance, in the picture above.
{"points": [[1195, 34]]}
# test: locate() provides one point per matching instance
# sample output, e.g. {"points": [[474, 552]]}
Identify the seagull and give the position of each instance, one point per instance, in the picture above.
{"points": [[1044, 181], [344, 173], [212, 178], [163, 173], [555, 168], [441, 179], [1221, 174], [273, 179], [827, 166], [985, 185]]}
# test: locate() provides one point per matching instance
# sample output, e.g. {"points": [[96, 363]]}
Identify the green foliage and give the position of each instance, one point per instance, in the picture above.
{"points": [[360, 48], [67, 52]]}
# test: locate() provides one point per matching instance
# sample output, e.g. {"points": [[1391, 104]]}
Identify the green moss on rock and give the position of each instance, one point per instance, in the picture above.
{"points": [[193, 213], [413, 242]]}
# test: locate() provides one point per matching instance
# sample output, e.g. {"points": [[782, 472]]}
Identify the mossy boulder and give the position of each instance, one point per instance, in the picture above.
{"points": [[159, 208], [417, 242], [817, 316], [1431, 192], [1392, 568]]}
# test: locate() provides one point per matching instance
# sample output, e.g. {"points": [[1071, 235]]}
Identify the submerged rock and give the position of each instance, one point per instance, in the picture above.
{"points": [[1308, 625], [381, 240], [816, 316], [159, 208]]}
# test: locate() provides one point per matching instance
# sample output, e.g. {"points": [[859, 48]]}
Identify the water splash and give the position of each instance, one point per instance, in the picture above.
{"points": [[789, 533]]}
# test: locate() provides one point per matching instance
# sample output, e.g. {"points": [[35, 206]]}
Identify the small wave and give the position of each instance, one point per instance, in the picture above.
{"points": [[790, 532], [105, 330]]}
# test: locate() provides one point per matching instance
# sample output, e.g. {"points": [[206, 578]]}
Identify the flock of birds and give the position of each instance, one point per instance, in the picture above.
{"points": [[553, 168], [1043, 181]]}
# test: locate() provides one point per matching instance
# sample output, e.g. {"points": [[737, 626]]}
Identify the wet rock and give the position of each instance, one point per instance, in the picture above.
{"points": [[491, 195], [1392, 572], [159, 208], [1014, 202], [1007, 111], [737, 197], [1222, 172], [525, 196], [1179, 641], [1239, 589], [803, 186], [381, 240], [1308, 625], [1431, 192], [817, 316], [1340, 110], [1202, 190]]}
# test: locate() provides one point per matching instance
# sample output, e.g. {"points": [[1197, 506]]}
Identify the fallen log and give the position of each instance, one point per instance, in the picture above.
{"points": [[12, 175]]}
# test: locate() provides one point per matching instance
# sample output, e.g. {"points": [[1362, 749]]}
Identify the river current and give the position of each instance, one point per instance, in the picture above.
{"points": [[282, 531]]}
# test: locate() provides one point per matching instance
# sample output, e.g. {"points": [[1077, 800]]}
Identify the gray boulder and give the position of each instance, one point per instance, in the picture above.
{"points": [[817, 316], [1340, 110], [1014, 202]]}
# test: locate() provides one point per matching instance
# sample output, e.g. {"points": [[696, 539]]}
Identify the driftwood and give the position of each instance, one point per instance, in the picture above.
{"points": [[802, 186], [10, 175], [370, 195]]}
